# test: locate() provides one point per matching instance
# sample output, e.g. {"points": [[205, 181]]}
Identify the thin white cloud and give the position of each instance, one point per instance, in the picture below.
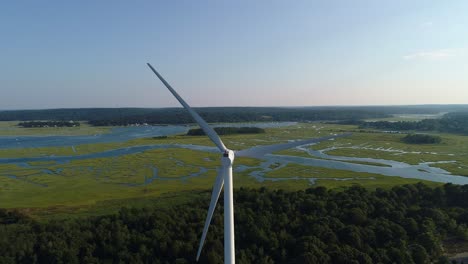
{"points": [[427, 24], [439, 54]]}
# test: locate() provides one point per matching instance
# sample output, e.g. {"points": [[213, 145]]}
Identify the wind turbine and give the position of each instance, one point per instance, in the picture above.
{"points": [[224, 176]]}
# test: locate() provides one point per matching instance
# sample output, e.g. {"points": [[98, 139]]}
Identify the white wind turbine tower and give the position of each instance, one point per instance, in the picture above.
{"points": [[224, 176]]}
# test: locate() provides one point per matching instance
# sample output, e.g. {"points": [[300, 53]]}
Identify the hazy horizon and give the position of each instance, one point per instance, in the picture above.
{"points": [[237, 54], [268, 106]]}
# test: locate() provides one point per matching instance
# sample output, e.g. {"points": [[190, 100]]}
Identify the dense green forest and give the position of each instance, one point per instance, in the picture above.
{"points": [[456, 122], [49, 124], [405, 224], [421, 139], [227, 131]]}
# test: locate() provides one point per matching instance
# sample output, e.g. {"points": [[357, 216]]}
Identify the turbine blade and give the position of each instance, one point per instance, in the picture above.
{"points": [[214, 199], [206, 128], [260, 151]]}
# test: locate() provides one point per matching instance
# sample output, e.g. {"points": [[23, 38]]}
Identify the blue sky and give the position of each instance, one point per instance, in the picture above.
{"points": [[232, 53]]}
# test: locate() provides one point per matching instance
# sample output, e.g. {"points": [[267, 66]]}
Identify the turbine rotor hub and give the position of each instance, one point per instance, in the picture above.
{"points": [[228, 157]]}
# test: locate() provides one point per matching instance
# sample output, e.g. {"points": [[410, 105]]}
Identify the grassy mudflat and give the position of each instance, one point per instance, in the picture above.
{"points": [[389, 146], [100, 185], [236, 142], [331, 178], [10, 128]]}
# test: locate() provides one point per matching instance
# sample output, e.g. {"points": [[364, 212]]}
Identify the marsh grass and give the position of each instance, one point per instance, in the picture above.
{"points": [[102, 185]]}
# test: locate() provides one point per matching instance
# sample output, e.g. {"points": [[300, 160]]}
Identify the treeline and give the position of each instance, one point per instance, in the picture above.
{"points": [[456, 122], [49, 124], [83, 114], [359, 112], [236, 114], [421, 139], [423, 125], [128, 116], [227, 131], [406, 224]]}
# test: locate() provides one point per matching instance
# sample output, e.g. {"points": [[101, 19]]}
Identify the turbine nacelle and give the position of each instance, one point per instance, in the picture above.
{"points": [[228, 157]]}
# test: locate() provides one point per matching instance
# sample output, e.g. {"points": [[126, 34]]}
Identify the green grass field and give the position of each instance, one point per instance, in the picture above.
{"points": [[98, 186]]}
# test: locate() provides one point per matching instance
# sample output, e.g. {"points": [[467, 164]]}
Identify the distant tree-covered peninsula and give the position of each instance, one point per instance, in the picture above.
{"points": [[456, 122], [49, 124], [421, 139], [227, 131]]}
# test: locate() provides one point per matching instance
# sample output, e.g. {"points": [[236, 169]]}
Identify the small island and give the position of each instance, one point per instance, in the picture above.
{"points": [[227, 131], [421, 139], [30, 124]]}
